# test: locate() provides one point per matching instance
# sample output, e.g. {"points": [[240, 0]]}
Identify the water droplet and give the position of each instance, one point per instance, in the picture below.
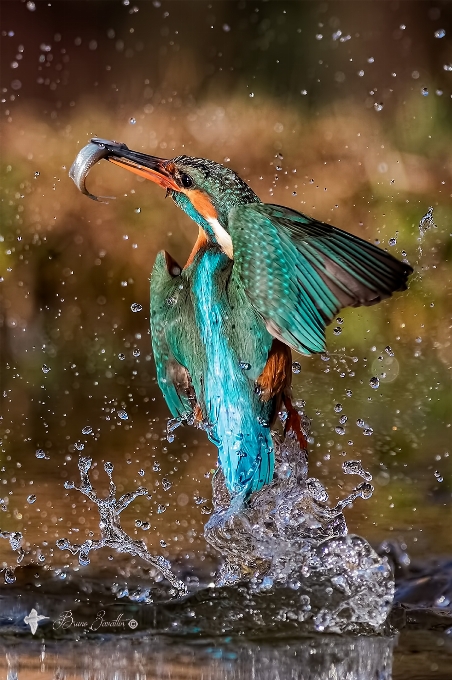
{"points": [[424, 92], [132, 121], [156, 467], [251, 94], [160, 509], [79, 446], [121, 356], [374, 383], [83, 559], [317, 490], [68, 485], [45, 369], [136, 352], [37, 173], [84, 464], [378, 106], [365, 490], [343, 420], [170, 437], [368, 431], [339, 430], [389, 351], [31, 6], [40, 453], [438, 476], [123, 415], [360, 422], [9, 573], [136, 307], [392, 241], [145, 526], [354, 467], [138, 210], [440, 33], [296, 367], [244, 365], [427, 222], [31, 498], [337, 330], [87, 430], [338, 408], [108, 467], [447, 67], [163, 543], [172, 424], [141, 473], [62, 543], [166, 484]]}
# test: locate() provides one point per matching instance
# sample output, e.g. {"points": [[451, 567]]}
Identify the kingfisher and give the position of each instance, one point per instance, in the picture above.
{"points": [[261, 281]]}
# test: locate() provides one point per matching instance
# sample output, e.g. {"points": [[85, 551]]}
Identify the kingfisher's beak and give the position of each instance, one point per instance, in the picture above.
{"points": [[158, 170]]}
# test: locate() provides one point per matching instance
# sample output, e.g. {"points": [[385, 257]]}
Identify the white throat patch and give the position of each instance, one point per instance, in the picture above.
{"points": [[222, 236]]}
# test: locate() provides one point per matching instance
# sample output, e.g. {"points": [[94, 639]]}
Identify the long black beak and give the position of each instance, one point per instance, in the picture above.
{"points": [[158, 170]]}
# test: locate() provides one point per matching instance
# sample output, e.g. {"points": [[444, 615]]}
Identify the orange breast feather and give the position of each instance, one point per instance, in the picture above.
{"points": [[277, 373]]}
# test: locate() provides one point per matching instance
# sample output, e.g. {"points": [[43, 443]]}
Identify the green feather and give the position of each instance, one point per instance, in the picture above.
{"points": [[298, 272]]}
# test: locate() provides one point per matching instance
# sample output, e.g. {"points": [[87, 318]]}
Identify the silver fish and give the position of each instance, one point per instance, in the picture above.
{"points": [[86, 158]]}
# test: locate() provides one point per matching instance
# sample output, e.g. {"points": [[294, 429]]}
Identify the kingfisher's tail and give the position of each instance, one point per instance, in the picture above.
{"points": [[245, 447]]}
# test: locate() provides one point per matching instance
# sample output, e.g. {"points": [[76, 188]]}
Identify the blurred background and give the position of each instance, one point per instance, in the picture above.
{"points": [[340, 110]]}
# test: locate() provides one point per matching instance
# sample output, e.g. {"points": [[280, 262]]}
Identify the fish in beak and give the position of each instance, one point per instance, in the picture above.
{"points": [[158, 170]]}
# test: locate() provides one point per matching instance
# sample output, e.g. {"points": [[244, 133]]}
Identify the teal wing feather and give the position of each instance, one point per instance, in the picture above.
{"points": [[172, 376], [299, 272]]}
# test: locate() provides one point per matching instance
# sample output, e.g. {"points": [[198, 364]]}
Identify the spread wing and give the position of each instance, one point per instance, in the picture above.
{"points": [[298, 272], [173, 378]]}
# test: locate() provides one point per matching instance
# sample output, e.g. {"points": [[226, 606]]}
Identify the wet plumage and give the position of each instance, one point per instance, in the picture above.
{"points": [[261, 279]]}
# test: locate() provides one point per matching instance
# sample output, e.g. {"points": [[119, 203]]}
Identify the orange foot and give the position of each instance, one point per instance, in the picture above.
{"points": [[293, 423], [197, 414]]}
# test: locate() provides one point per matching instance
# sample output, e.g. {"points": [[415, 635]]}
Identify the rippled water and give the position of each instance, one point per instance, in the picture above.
{"points": [[87, 635]]}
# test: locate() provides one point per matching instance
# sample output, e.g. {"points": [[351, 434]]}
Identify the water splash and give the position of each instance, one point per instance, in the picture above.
{"points": [[354, 467], [15, 540], [427, 222], [112, 534], [288, 540]]}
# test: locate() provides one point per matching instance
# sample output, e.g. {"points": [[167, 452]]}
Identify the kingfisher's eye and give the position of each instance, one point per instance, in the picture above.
{"points": [[186, 181]]}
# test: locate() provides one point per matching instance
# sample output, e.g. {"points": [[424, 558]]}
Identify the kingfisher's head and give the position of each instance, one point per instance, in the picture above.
{"points": [[205, 190]]}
